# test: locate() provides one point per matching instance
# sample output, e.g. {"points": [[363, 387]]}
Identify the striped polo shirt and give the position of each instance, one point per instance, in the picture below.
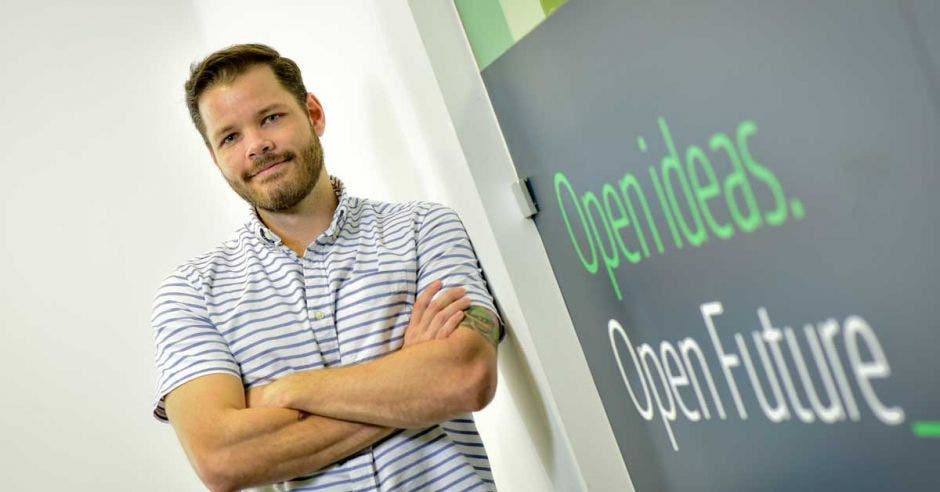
{"points": [[254, 309]]}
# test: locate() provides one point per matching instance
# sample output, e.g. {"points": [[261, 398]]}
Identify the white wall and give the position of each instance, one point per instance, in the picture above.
{"points": [[94, 194], [105, 187]]}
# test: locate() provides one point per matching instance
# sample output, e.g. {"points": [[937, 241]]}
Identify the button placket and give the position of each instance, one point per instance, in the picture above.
{"points": [[319, 307]]}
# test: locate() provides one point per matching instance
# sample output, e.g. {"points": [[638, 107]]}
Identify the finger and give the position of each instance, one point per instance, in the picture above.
{"points": [[452, 323], [457, 306], [443, 300], [421, 303]]}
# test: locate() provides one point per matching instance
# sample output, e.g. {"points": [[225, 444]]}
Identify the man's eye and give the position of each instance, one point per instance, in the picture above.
{"points": [[272, 117], [228, 139]]}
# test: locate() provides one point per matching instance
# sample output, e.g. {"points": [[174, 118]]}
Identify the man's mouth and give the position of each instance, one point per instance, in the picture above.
{"points": [[270, 168]]}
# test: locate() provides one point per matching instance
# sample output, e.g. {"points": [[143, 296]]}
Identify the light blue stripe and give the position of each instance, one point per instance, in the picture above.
{"points": [[332, 471], [188, 377], [471, 487], [267, 340], [382, 343], [255, 331], [199, 357], [411, 453], [404, 440], [248, 312], [450, 484], [428, 470], [187, 350], [345, 317]]}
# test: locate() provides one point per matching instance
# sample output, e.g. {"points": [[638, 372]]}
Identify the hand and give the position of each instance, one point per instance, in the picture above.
{"points": [[437, 319]]}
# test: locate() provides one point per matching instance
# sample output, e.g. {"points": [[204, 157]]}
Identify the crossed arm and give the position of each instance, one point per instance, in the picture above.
{"points": [[233, 447], [303, 422], [451, 374]]}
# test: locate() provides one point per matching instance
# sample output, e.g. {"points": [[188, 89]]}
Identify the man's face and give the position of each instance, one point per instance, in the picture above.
{"points": [[265, 144]]}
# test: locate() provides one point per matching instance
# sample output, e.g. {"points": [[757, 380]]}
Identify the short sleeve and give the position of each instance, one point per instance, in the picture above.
{"points": [[446, 254], [187, 343]]}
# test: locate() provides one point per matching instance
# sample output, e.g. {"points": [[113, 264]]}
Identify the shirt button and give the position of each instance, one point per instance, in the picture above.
{"points": [[319, 315]]}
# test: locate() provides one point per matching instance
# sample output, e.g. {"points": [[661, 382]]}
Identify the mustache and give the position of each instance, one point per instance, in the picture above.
{"points": [[267, 160]]}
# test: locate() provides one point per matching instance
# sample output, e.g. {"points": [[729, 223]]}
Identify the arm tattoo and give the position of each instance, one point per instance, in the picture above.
{"points": [[482, 320]]}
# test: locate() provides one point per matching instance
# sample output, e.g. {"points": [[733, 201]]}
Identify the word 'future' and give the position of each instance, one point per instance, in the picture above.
{"points": [[676, 377], [688, 191]]}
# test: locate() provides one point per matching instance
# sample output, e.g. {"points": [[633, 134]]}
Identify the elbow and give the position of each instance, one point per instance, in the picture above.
{"points": [[469, 382], [480, 387], [215, 471]]}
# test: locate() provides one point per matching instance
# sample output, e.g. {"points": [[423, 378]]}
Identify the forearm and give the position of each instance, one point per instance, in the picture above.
{"points": [[298, 448], [257, 446], [417, 386]]}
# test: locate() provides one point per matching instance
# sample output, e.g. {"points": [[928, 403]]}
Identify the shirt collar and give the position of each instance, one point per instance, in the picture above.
{"points": [[342, 210], [257, 227]]}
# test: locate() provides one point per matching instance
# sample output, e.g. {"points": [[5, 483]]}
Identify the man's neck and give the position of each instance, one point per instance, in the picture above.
{"points": [[302, 224]]}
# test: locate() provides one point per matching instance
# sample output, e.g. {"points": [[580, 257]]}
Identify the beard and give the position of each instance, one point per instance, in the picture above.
{"points": [[288, 191]]}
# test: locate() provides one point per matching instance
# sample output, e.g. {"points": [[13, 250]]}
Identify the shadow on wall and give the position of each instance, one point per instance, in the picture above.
{"points": [[521, 385]]}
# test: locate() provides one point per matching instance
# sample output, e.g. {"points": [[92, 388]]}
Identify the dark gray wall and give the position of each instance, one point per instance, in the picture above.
{"points": [[844, 96]]}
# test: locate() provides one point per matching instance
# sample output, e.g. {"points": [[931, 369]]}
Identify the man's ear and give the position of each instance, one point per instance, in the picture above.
{"points": [[316, 114]]}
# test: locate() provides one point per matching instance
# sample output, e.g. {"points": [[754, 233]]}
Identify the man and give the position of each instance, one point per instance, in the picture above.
{"points": [[307, 351]]}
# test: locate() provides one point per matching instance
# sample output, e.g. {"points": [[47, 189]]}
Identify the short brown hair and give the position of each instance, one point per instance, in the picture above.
{"points": [[225, 65]]}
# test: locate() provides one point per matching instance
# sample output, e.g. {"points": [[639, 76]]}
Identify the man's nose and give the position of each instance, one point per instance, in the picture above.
{"points": [[259, 144]]}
